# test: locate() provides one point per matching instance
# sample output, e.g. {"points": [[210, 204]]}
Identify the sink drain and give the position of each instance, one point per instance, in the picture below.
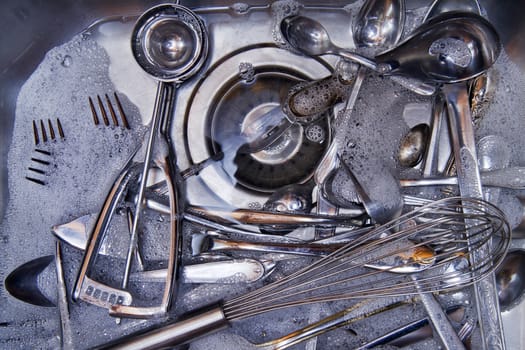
{"points": [[223, 106]]}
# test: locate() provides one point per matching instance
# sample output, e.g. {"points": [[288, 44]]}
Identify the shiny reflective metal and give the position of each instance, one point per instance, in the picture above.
{"points": [[334, 275], [380, 210], [441, 6], [413, 145], [493, 155], [449, 48], [411, 259], [170, 43], [510, 279], [294, 199], [75, 234], [464, 149], [379, 23], [310, 38], [22, 282], [227, 271], [511, 178]]}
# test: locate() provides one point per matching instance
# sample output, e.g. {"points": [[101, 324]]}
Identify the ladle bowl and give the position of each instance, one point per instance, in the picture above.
{"points": [[169, 43], [449, 48]]}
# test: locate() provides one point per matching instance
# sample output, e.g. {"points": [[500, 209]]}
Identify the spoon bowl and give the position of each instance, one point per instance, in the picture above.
{"points": [[413, 145], [510, 279], [379, 23], [294, 199], [449, 48], [309, 37]]}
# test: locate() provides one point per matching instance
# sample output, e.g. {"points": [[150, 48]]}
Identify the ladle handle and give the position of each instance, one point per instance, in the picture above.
{"points": [[206, 321], [363, 61], [462, 136]]}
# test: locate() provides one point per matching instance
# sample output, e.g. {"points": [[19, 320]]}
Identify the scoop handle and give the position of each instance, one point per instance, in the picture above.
{"points": [[203, 322]]}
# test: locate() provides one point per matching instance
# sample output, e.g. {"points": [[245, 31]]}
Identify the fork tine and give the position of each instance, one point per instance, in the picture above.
{"points": [[93, 111], [121, 111], [51, 129], [35, 133], [112, 111], [44, 133], [60, 129], [103, 111]]}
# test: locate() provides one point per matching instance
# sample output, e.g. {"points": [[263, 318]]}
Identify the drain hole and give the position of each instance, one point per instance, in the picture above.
{"points": [[290, 159]]}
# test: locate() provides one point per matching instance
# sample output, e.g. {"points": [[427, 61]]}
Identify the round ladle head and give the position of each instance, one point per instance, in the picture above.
{"points": [[450, 48], [169, 42]]}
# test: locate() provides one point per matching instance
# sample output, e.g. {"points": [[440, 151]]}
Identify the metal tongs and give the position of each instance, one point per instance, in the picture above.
{"points": [[158, 152], [169, 69]]}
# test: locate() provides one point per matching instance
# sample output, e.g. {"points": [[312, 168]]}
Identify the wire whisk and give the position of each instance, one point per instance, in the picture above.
{"points": [[461, 241]]}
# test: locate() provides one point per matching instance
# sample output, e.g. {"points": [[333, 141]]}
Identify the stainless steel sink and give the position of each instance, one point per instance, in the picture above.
{"points": [[31, 28]]}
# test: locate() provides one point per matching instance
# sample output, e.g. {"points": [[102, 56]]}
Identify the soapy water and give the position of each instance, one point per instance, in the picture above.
{"points": [[85, 163]]}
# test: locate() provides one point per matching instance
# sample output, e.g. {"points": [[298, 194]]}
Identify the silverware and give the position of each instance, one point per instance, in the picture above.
{"points": [[334, 278], [413, 332], [379, 23], [38, 168], [75, 233], [310, 38], [512, 178], [41, 135], [412, 258]]}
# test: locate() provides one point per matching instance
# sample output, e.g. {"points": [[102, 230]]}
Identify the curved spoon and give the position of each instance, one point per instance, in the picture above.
{"points": [[293, 199], [379, 23], [451, 47], [310, 38]]}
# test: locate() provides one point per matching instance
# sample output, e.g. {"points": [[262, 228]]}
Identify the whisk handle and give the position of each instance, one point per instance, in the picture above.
{"points": [[204, 321]]}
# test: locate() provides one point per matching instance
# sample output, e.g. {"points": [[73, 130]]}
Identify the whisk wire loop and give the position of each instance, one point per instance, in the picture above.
{"points": [[453, 229]]}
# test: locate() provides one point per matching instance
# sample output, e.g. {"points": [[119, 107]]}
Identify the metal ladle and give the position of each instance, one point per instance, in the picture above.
{"points": [[169, 42], [449, 48]]}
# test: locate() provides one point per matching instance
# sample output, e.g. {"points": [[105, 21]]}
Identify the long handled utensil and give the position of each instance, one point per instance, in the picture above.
{"points": [[440, 224]]}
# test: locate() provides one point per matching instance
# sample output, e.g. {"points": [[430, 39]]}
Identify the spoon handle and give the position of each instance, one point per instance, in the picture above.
{"points": [[462, 135], [363, 61], [414, 85], [512, 178]]}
